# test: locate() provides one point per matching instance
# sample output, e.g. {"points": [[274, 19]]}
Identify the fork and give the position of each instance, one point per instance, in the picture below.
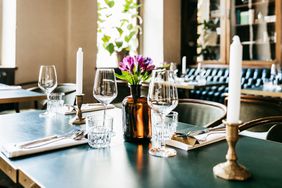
{"points": [[198, 132]]}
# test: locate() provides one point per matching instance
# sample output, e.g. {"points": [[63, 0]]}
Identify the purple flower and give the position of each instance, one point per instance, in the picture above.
{"points": [[135, 68], [127, 64]]}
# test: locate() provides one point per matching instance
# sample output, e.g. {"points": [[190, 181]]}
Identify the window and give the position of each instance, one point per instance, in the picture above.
{"points": [[118, 30], [8, 52], [153, 30]]}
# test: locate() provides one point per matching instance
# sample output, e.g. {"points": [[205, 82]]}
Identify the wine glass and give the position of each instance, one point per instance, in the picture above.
{"points": [[47, 81], [162, 98], [105, 87]]}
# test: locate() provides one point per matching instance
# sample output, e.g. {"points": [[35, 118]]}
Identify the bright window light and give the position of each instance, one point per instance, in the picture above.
{"points": [[8, 57], [153, 31], [114, 28]]}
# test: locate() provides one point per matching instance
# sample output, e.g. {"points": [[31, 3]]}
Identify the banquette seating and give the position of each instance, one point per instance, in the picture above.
{"points": [[251, 77]]}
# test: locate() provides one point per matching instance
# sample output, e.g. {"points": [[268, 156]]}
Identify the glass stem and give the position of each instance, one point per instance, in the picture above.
{"points": [[104, 116], [48, 96], [48, 99], [162, 132]]}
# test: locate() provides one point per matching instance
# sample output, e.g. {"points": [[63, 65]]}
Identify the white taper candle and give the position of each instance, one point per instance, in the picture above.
{"points": [[183, 65], [79, 71], [235, 71]]}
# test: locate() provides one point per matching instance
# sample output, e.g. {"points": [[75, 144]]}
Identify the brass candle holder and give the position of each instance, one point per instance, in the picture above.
{"points": [[78, 119], [231, 170]]}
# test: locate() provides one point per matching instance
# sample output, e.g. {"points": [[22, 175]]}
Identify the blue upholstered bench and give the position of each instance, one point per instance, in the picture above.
{"points": [[251, 77]]}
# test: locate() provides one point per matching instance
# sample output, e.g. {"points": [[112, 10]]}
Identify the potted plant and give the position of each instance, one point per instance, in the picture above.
{"points": [[118, 26], [208, 39], [210, 35]]}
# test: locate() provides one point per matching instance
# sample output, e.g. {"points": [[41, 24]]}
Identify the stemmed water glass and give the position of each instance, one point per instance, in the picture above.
{"points": [[47, 81], [105, 87], [162, 98]]}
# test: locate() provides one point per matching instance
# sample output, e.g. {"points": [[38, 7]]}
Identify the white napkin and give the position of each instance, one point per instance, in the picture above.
{"points": [[13, 150], [87, 108], [203, 139]]}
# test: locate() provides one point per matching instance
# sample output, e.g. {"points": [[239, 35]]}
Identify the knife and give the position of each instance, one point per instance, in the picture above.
{"points": [[198, 132]]}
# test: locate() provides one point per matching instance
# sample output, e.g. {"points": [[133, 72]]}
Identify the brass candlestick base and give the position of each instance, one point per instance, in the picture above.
{"points": [[78, 119], [231, 170]]}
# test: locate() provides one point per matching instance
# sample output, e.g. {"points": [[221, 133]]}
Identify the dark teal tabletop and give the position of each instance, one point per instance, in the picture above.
{"points": [[130, 165]]}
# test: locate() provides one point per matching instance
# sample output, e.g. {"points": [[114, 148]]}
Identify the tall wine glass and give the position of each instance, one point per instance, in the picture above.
{"points": [[162, 98], [105, 87], [47, 81]]}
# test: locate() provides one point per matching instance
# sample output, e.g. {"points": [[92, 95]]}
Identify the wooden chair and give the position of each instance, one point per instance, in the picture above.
{"points": [[254, 107], [274, 133], [200, 112]]}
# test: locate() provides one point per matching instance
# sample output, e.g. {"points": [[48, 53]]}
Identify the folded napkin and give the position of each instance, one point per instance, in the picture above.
{"points": [[86, 108], [189, 143], [13, 150]]}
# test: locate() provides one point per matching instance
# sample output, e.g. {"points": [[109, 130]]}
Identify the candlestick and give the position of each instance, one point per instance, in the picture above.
{"points": [[79, 71], [78, 119], [231, 170], [183, 65], [235, 68]]}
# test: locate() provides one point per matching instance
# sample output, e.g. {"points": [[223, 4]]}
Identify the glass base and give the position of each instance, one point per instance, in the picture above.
{"points": [[47, 114], [162, 152]]}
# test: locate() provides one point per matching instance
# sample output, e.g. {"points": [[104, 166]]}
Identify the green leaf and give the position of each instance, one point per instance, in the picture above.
{"points": [[122, 77], [119, 44], [110, 3], [129, 37], [123, 22], [129, 77], [106, 38], [109, 15], [110, 48], [120, 31], [130, 27]]}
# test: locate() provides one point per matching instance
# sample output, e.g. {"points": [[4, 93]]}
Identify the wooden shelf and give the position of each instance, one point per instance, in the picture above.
{"points": [[258, 63], [262, 2], [254, 24], [214, 46], [257, 43], [270, 22]]}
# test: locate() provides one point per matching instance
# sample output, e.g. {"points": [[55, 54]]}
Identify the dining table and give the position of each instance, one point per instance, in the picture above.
{"points": [[16, 95], [126, 164], [264, 92]]}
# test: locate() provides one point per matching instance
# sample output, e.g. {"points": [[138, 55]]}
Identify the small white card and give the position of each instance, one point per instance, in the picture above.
{"points": [[203, 139]]}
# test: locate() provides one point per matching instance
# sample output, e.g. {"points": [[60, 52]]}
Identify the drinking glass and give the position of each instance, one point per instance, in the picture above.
{"points": [[171, 121], [105, 87], [162, 98], [55, 103], [47, 81], [99, 131]]}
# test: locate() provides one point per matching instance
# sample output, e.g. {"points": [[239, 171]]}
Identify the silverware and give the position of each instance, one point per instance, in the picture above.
{"points": [[208, 134], [198, 132], [76, 135]]}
